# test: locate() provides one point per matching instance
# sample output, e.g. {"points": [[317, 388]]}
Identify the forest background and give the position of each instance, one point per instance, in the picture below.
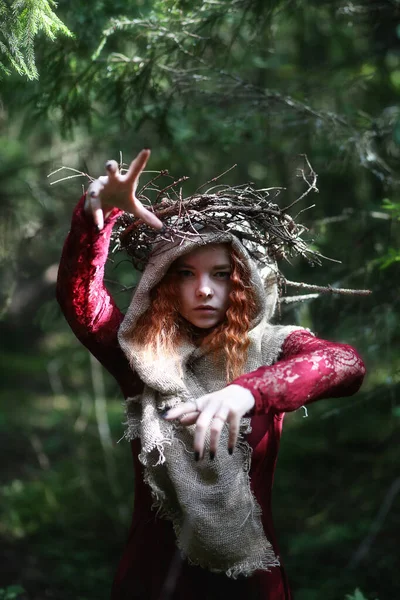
{"points": [[205, 85]]}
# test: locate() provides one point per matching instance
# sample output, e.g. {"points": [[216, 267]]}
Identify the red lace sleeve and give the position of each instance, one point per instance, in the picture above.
{"points": [[87, 305], [309, 369]]}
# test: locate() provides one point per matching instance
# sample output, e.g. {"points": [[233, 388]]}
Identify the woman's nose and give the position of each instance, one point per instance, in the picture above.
{"points": [[205, 291]]}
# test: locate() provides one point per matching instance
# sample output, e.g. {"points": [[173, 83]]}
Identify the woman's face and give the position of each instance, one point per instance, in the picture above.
{"points": [[204, 285]]}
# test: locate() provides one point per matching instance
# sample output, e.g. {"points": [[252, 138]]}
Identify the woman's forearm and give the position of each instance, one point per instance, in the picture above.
{"points": [[309, 369], [85, 301]]}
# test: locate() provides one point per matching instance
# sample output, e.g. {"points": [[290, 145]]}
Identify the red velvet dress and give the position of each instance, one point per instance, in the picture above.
{"points": [[308, 369]]}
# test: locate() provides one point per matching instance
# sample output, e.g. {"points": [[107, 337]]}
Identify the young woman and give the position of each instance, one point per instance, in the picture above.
{"points": [[207, 380]]}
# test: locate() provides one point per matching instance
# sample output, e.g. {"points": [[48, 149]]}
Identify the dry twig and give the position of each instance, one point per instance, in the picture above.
{"points": [[267, 231], [320, 289]]}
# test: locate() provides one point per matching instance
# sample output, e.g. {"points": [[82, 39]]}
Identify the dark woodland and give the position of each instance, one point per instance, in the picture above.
{"points": [[270, 87]]}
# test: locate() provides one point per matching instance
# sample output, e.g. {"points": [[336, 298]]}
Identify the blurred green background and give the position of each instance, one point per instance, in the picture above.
{"points": [[205, 85]]}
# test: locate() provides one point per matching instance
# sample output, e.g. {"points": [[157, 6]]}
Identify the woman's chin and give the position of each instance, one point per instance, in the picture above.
{"points": [[205, 326], [202, 327]]}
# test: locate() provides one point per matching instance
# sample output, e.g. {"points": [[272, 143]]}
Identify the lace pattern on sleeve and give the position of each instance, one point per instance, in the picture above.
{"points": [[84, 300], [309, 369]]}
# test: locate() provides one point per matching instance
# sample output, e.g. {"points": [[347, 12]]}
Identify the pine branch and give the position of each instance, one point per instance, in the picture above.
{"points": [[176, 43], [22, 22]]}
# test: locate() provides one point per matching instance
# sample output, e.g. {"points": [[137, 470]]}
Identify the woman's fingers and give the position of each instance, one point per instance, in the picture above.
{"points": [[119, 190], [189, 418], [217, 425], [146, 215], [93, 203], [181, 409], [131, 177], [112, 168], [234, 423], [211, 412], [137, 166], [202, 424]]}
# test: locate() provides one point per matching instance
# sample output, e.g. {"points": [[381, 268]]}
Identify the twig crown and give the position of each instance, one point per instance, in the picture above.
{"points": [[267, 231]]}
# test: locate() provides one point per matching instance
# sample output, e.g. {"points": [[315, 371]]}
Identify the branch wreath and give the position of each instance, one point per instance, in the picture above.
{"points": [[269, 232], [251, 214]]}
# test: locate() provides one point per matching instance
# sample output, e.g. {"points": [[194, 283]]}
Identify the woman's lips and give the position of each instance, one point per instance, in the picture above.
{"points": [[205, 308]]}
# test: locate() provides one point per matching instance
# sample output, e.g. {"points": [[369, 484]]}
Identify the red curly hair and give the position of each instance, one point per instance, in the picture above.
{"points": [[161, 327]]}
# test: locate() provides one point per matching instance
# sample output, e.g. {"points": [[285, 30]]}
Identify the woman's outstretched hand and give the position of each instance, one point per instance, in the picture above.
{"points": [[213, 411], [117, 190]]}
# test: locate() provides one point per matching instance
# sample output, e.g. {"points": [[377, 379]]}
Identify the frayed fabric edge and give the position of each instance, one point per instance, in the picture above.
{"points": [[246, 569], [164, 510]]}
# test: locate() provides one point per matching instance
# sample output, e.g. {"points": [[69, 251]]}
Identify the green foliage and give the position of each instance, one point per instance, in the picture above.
{"points": [[20, 23], [358, 595], [393, 254], [205, 85], [61, 489], [11, 592], [393, 207], [248, 70]]}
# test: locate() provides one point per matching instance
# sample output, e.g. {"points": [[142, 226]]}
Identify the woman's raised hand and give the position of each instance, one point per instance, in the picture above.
{"points": [[212, 411], [117, 190]]}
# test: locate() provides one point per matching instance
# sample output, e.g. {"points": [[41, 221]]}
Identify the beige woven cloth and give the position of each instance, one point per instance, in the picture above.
{"points": [[216, 517]]}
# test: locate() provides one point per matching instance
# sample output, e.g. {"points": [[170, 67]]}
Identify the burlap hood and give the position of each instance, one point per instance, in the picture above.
{"points": [[162, 257], [216, 518]]}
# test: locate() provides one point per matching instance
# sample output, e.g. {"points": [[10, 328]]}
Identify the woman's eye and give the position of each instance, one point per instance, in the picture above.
{"points": [[185, 273], [222, 274]]}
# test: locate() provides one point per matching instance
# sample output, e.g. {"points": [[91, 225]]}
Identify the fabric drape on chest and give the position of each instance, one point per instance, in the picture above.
{"points": [[215, 516]]}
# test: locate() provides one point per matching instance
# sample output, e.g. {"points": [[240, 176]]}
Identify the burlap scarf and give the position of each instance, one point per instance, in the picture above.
{"points": [[216, 517]]}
